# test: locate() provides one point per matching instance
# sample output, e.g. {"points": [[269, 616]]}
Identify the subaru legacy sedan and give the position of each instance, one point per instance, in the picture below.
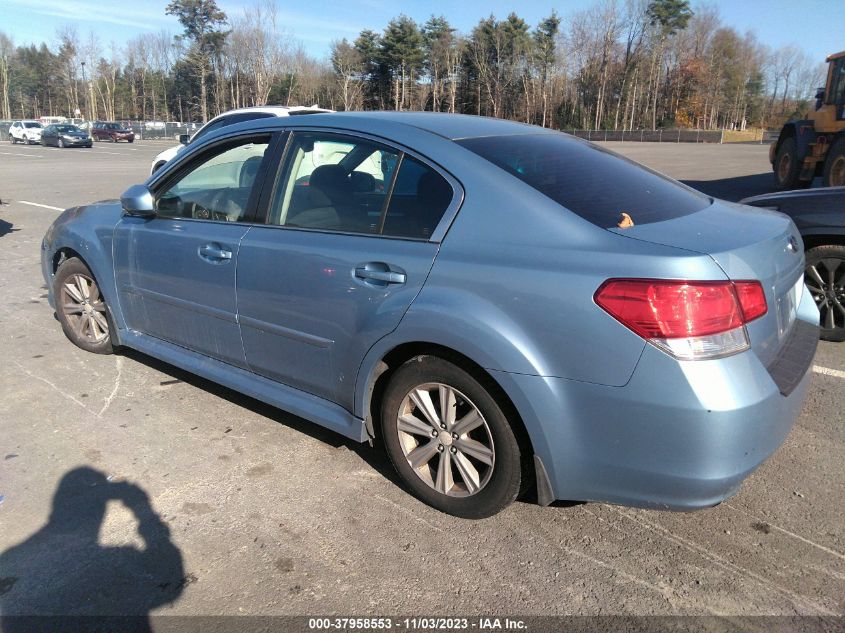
{"points": [[502, 306]]}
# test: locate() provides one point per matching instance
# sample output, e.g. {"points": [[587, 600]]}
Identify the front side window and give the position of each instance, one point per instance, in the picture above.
{"points": [[352, 185], [219, 186]]}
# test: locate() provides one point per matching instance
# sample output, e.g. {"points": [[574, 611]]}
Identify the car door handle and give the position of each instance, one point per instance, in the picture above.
{"points": [[215, 251], [371, 272]]}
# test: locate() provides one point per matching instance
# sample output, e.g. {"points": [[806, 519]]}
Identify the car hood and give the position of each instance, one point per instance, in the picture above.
{"points": [[747, 243], [169, 153]]}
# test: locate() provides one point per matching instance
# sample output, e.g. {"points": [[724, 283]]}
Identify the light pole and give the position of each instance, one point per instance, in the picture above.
{"points": [[85, 88]]}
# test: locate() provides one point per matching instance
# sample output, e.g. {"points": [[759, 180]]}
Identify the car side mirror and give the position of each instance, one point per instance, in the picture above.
{"points": [[184, 139], [138, 201]]}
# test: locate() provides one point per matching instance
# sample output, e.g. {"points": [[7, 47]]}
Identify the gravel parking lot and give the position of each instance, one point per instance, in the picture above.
{"points": [[267, 514]]}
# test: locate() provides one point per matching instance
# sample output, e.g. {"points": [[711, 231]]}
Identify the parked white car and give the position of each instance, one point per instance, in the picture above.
{"points": [[28, 132], [228, 118]]}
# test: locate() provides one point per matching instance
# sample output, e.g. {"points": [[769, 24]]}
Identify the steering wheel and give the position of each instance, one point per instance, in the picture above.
{"points": [[199, 212]]}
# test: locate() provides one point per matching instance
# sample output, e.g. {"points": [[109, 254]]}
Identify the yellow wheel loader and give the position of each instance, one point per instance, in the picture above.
{"points": [[815, 146]]}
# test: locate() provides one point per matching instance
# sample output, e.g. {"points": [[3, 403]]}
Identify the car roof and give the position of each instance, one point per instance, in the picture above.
{"points": [[449, 126]]}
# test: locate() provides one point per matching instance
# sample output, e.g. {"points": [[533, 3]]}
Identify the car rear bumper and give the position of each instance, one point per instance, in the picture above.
{"points": [[679, 435]]}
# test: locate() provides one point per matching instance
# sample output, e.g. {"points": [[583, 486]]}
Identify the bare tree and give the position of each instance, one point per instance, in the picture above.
{"points": [[348, 67], [7, 50]]}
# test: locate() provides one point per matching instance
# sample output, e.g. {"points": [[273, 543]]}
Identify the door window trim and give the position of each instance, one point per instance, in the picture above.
{"points": [[272, 183], [275, 140]]}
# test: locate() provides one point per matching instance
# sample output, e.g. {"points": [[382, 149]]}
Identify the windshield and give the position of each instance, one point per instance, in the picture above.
{"points": [[591, 181], [32, 124], [67, 129]]}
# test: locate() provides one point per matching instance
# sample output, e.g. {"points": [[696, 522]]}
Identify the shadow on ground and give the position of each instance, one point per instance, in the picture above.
{"points": [[374, 456], [63, 570], [6, 227]]}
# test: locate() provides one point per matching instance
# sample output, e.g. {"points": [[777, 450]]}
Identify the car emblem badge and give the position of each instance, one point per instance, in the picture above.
{"points": [[792, 244]]}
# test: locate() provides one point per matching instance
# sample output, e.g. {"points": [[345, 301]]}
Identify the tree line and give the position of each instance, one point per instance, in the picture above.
{"points": [[618, 65]]}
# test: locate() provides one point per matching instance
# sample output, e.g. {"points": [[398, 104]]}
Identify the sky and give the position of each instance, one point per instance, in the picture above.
{"points": [[315, 23]]}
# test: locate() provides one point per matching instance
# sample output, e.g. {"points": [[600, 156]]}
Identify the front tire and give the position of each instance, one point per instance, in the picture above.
{"points": [[787, 166], [449, 439], [824, 275], [81, 308], [834, 166], [60, 143]]}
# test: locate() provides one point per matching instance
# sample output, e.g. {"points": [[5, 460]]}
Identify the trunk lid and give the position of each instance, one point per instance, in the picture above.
{"points": [[747, 243]]}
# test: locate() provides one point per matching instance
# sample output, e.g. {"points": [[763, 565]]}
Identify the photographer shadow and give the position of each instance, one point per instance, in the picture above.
{"points": [[62, 570]]}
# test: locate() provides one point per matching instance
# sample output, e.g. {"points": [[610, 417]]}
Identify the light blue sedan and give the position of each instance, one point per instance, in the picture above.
{"points": [[504, 307]]}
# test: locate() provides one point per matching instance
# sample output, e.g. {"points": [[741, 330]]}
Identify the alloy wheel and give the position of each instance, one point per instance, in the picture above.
{"points": [[446, 440], [83, 307], [826, 282]]}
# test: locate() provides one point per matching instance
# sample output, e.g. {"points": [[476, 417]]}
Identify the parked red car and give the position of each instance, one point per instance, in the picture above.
{"points": [[111, 131]]}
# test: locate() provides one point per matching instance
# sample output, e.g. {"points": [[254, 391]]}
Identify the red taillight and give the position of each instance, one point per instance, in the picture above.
{"points": [[685, 318], [751, 298]]}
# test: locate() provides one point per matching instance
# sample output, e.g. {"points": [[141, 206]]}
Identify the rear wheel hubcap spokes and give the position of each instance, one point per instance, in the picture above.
{"points": [[445, 440]]}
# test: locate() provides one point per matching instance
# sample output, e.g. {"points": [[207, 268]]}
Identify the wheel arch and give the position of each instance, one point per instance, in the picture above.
{"points": [[376, 371], [101, 270], [804, 134], [822, 239]]}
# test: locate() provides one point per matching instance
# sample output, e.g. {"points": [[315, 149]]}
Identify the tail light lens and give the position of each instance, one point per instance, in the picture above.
{"points": [[690, 320]]}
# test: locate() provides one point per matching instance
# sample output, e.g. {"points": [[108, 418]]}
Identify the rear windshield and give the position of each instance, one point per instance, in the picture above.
{"points": [[593, 182]]}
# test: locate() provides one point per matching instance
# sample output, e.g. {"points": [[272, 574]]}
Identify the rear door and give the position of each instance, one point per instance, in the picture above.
{"points": [[176, 272], [322, 281]]}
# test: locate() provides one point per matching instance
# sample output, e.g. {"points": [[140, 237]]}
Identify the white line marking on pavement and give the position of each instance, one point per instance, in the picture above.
{"points": [[827, 371], [20, 154], [827, 550], [43, 206]]}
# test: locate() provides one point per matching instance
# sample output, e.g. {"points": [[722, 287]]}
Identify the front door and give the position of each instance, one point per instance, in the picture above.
{"points": [[176, 272], [339, 260]]}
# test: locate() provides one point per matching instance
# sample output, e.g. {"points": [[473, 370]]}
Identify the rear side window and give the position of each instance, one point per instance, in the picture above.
{"points": [[588, 180], [420, 198]]}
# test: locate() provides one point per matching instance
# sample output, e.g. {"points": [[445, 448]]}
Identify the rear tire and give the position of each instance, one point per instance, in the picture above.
{"points": [[467, 459], [787, 166], [824, 275], [834, 166], [81, 308]]}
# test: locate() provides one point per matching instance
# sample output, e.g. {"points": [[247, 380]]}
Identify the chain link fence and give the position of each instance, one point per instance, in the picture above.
{"points": [[161, 129], [651, 136], [678, 135], [171, 130]]}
